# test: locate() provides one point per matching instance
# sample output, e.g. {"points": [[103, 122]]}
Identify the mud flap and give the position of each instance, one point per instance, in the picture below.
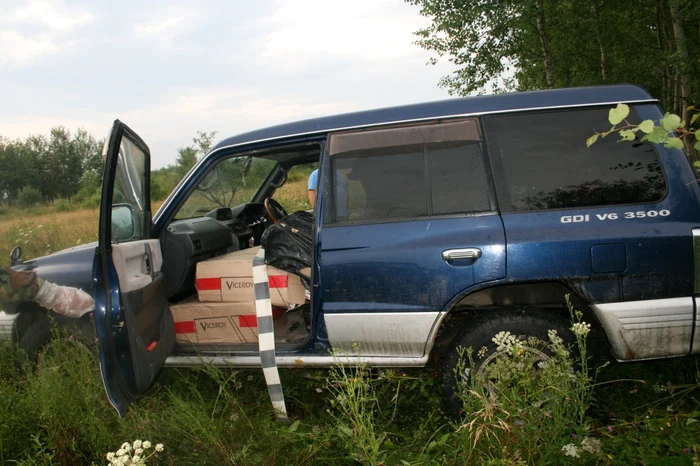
{"points": [[266, 335]]}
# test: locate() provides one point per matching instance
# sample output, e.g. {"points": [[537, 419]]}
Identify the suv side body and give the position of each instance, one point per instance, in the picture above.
{"points": [[468, 237]]}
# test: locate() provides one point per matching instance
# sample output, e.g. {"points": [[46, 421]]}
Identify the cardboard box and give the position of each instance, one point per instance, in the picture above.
{"points": [[229, 278], [197, 322]]}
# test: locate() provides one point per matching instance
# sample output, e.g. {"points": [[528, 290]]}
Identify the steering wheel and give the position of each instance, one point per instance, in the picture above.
{"points": [[274, 210]]}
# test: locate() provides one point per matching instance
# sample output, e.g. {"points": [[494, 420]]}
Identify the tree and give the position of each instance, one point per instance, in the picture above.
{"points": [[503, 45]]}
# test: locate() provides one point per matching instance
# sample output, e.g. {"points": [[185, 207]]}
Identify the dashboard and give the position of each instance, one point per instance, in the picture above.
{"points": [[188, 241]]}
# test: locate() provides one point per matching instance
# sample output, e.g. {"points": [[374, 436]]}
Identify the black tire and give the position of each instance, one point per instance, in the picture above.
{"points": [[478, 332], [43, 331]]}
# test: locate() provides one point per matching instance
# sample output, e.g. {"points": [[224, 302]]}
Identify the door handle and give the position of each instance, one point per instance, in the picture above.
{"points": [[467, 253]]}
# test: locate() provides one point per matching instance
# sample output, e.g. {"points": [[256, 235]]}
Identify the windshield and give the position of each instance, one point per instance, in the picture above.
{"points": [[233, 182]]}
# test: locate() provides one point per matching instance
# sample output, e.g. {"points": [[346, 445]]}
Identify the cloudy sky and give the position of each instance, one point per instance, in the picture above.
{"points": [[170, 68]]}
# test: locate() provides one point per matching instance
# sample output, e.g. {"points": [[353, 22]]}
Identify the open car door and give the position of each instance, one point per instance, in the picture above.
{"points": [[133, 321]]}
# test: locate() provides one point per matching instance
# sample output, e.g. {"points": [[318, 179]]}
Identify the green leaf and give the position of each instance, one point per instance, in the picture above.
{"points": [[346, 430], [697, 146], [647, 126], [694, 118], [658, 135], [696, 164], [294, 426], [674, 143], [627, 135], [618, 114], [691, 421], [670, 121], [697, 135], [590, 141]]}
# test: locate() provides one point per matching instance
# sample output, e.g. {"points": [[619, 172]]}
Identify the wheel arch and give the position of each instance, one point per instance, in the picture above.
{"points": [[548, 296]]}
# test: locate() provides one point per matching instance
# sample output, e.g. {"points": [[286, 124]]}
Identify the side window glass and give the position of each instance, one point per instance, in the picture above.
{"points": [[408, 172], [546, 164], [380, 183], [457, 178], [129, 210], [232, 182]]}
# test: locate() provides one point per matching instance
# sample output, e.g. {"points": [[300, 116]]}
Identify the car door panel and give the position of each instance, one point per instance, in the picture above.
{"points": [[133, 321]]}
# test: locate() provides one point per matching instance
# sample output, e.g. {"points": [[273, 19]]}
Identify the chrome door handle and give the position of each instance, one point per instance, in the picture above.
{"points": [[454, 254]]}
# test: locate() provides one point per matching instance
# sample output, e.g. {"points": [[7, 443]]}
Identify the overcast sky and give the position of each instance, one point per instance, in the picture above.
{"points": [[169, 68]]}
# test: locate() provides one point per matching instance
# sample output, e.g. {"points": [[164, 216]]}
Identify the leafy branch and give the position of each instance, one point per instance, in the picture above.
{"points": [[670, 131]]}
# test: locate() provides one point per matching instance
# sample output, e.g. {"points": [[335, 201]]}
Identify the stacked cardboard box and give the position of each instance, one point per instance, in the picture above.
{"points": [[225, 310], [229, 279]]}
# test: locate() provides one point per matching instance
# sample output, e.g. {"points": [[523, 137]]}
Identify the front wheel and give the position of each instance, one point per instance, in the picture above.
{"points": [[44, 332], [525, 324]]}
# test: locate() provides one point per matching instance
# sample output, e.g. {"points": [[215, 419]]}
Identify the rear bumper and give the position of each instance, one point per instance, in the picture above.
{"points": [[6, 325]]}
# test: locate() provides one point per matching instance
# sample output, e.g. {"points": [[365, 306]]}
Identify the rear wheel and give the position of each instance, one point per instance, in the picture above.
{"points": [[478, 334]]}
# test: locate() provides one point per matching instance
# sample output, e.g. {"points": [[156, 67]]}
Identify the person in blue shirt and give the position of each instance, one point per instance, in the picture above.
{"points": [[341, 193]]}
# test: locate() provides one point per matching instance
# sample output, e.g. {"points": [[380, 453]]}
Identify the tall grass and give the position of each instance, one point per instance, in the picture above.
{"points": [[57, 412]]}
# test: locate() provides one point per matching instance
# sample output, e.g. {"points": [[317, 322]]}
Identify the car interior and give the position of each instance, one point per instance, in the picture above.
{"points": [[229, 211]]}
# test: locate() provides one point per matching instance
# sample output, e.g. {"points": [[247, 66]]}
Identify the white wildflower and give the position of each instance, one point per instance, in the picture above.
{"points": [[146, 444], [581, 329], [121, 452], [136, 459], [553, 337], [482, 352], [137, 444], [571, 450], [138, 451], [126, 446], [319, 389], [592, 445], [160, 447], [110, 455], [506, 342]]}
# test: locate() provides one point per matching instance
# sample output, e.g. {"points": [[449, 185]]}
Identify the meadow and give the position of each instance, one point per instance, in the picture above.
{"points": [[571, 412]]}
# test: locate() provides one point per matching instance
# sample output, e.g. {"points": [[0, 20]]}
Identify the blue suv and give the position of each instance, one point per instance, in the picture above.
{"points": [[435, 226]]}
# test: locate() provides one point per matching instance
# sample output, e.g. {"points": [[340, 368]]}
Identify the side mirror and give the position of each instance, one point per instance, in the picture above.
{"points": [[15, 255], [124, 222]]}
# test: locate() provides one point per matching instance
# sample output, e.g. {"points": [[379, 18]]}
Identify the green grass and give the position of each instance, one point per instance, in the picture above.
{"points": [[58, 414], [642, 413]]}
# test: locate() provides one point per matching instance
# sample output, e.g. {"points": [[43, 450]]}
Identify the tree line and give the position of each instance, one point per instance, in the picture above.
{"points": [[537, 44], [65, 167]]}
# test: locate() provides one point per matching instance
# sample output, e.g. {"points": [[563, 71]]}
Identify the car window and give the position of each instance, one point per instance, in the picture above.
{"points": [[233, 182], [129, 210], [408, 172], [546, 164]]}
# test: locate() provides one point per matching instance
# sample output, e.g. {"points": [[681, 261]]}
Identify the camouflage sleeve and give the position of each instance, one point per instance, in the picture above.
{"points": [[18, 286]]}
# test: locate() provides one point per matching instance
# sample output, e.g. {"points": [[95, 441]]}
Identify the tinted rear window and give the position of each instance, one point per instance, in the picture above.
{"points": [[410, 181], [546, 164]]}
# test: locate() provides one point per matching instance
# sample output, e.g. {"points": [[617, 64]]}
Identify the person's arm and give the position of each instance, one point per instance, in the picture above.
{"points": [[312, 197]]}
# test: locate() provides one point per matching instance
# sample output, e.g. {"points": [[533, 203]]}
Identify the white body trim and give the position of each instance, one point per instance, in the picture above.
{"points": [[395, 334], [648, 329], [6, 325], [295, 361]]}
